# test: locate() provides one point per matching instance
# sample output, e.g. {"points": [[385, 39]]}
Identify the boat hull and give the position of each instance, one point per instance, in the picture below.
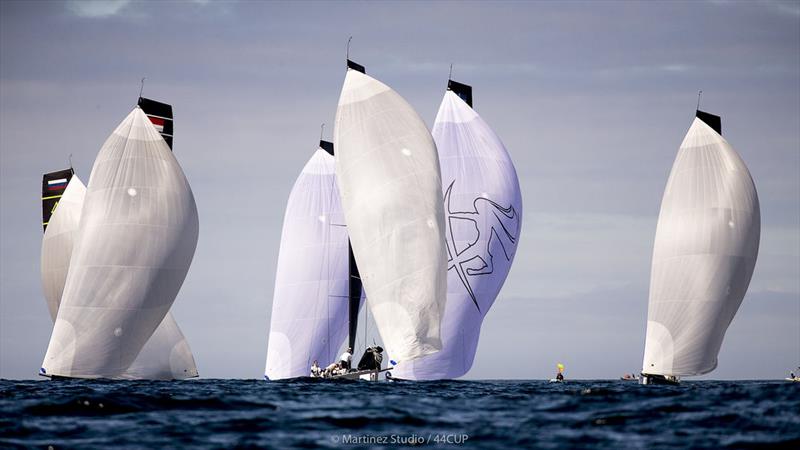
{"points": [[659, 379]]}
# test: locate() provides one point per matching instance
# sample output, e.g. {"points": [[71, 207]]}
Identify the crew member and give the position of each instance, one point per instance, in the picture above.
{"points": [[315, 369], [346, 358]]}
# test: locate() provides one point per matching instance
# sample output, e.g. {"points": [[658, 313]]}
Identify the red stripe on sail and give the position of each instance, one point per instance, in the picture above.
{"points": [[157, 121]]}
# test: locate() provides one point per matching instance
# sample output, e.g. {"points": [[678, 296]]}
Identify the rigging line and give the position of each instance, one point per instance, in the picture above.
{"points": [[450, 77], [699, 93], [321, 130], [347, 54], [70, 162], [141, 89]]}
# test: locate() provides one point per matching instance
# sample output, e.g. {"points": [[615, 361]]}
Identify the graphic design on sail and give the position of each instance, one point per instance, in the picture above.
{"points": [[160, 115], [388, 174], [704, 254], [137, 235], [53, 186], [483, 208]]}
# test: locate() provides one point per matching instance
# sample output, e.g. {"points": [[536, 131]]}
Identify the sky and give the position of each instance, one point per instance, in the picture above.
{"points": [[591, 99]]}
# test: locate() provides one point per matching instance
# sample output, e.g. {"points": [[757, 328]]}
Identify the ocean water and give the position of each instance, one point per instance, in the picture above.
{"points": [[309, 413]]}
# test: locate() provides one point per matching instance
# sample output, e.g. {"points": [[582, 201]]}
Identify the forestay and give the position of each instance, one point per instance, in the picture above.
{"points": [[137, 236], [310, 303], [705, 251], [388, 174], [483, 212]]}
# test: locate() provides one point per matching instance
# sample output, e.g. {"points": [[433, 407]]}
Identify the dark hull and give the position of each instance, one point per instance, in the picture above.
{"points": [[659, 379]]}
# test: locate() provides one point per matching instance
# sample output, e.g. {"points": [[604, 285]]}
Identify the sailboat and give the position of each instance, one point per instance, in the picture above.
{"points": [[483, 208], [388, 175], [124, 261], [705, 251], [317, 288]]}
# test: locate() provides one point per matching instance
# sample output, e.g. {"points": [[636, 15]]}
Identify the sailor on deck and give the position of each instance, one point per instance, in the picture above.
{"points": [[346, 358], [315, 369]]}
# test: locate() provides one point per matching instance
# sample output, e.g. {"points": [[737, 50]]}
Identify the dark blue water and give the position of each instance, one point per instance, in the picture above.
{"points": [[355, 414]]}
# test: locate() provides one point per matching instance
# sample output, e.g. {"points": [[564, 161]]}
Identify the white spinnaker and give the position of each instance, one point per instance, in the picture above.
{"points": [[167, 355], [58, 241], [388, 174], [309, 306], [137, 236], [704, 254], [483, 214]]}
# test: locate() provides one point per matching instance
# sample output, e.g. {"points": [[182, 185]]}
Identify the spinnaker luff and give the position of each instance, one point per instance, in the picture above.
{"points": [[483, 218], [390, 184], [137, 235], [704, 255]]}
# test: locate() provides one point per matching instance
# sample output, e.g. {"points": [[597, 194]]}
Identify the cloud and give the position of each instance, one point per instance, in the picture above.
{"points": [[97, 8]]}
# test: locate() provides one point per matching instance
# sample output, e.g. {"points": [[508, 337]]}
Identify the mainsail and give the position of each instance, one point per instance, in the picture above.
{"points": [[483, 212], [311, 300], [704, 254], [137, 236], [388, 174]]}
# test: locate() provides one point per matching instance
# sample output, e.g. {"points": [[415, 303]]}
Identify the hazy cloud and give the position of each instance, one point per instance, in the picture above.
{"points": [[97, 8]]}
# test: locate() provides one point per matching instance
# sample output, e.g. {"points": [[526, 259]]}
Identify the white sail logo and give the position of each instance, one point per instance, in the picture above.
{"points": [[463, 234]]}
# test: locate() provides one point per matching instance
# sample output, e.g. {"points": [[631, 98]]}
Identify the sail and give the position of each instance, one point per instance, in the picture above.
{"points": [[483, 211], [310, 303], [59, 238], [704, 254], [165, 356], [138, 232], [388, 174]]}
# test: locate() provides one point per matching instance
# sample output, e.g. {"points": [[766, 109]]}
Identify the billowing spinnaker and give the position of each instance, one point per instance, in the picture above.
{"points": [[310, 303], [58, 241], [388, 174], [483, 214], [704, 254], [137, 237], [167, 355]]}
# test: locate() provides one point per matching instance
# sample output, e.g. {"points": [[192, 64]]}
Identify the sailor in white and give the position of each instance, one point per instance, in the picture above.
{"points": [[346, 358]]}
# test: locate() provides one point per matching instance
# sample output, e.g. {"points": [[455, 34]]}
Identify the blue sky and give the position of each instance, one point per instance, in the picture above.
{"points": [[592, 100]]}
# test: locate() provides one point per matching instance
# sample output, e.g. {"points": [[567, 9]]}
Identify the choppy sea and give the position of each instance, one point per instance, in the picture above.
{"points": [[307, 413]]}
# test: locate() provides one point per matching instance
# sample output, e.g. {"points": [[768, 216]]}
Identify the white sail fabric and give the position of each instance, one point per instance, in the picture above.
{"points": [[137, 236], [310, 304], [704, 255], [483, 211], [388, 174], [58, 241], [167, 355]]}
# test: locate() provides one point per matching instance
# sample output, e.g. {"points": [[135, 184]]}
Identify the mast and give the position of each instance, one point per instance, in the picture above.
{"points": [[353, 296]]}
